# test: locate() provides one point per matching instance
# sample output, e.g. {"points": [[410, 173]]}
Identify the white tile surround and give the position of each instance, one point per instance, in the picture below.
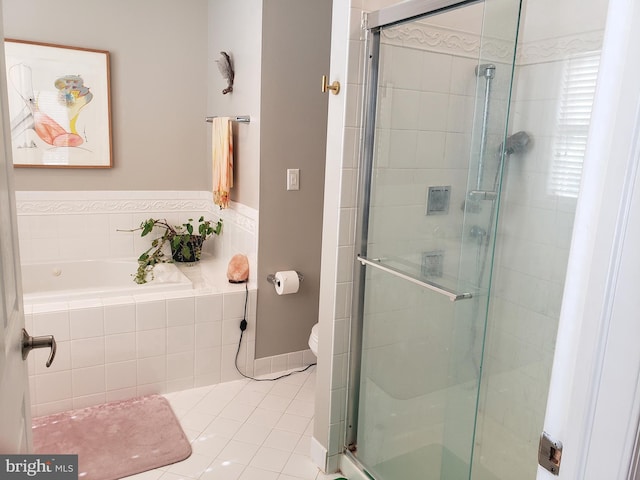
{"points": [[114, 348], [532, 252], [444, 133], [85, 224], [507, 400]]}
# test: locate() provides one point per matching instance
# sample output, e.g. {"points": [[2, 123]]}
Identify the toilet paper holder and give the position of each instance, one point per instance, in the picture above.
{"points": [[271, 278]]}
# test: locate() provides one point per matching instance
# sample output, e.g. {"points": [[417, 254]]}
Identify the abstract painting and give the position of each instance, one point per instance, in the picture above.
{"points": [[59, 105]]}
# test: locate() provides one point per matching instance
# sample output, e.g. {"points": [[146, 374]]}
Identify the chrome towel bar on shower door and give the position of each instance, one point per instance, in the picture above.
{"points": [[453, 296]]}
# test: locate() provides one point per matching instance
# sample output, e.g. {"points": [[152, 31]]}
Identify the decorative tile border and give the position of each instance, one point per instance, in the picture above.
{"points": [[41, 213], [444, 40], [464, 44], [427, 37], [559, 48], [95, 202], [107, 202]]}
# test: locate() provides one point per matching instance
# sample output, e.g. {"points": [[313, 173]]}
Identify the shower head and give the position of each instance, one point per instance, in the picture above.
{"points": [[516, 143]]}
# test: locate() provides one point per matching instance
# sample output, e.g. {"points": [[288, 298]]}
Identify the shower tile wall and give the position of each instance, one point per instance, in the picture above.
{"points": [[425, 120], [403, 334], [532, 251], [424, 124], [456, 82], [523, 317], [534, 235], [426, 116], [444, 103]]}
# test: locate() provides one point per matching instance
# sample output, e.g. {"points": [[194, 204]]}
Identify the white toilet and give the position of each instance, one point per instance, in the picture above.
{"points": [[313, 340]]}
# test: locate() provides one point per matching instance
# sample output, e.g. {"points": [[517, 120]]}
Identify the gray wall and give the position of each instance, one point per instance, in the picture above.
{"points": [[236, 28], [158, 51], [164, 81], [295, 55]]}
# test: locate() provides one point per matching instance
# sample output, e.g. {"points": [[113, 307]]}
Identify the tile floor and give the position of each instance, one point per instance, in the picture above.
{"points": [[246, 430]]}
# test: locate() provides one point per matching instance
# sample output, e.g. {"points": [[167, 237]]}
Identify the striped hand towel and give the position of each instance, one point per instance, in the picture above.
{"points": [[222, 160]]}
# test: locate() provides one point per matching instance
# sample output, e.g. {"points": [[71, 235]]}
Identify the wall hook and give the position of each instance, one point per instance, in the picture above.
{"points": [[334, 87]]}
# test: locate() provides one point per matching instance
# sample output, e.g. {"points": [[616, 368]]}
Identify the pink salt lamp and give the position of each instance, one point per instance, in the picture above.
{"points": [[238, 269]]}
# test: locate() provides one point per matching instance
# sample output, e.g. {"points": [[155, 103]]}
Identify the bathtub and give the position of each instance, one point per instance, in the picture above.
{"points": [[90, 279], [117, 339]]}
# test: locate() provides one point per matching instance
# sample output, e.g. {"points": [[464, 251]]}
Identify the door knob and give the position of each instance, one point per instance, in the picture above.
{"points": [[46, 341], [334, 87]]}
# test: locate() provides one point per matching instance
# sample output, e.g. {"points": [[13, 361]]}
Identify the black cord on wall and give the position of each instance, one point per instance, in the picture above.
{"points": [[243, 327]]}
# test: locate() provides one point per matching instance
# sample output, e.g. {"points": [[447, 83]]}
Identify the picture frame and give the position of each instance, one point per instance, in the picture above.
{"points": [[59, 105]]}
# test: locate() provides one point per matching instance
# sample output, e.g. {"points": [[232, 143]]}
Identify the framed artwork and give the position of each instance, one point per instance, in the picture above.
{"points": [[59, 105]]}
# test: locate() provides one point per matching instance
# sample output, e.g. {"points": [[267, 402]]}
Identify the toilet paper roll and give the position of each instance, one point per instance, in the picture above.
{"points": [[287, 282]]}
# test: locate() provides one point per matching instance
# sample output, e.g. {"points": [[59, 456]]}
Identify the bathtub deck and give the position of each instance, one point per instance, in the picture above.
{"points": [[211, 273]]}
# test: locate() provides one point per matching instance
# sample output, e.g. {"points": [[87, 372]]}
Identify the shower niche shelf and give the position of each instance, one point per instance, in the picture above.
{"points": [[398, 269]]}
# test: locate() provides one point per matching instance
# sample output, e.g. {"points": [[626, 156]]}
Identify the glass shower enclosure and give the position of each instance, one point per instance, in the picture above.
{"points": [[439, 75]]}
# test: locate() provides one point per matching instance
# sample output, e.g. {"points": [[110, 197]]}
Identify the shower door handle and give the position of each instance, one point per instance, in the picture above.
{"points": [[46, 341], [453, 296]]}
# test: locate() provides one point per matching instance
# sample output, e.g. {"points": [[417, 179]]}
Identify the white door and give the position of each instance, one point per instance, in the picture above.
{"points": [[594, 398], [15, 416]]}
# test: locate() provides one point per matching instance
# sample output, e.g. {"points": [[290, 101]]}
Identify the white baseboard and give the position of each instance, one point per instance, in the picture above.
{"points": [[318, 454]]}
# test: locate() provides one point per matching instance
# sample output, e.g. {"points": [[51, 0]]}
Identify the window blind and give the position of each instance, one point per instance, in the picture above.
{"points": [[574, 116]]}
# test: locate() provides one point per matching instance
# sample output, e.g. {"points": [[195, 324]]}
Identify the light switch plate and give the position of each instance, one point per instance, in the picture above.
{"points": [[293, 179]]}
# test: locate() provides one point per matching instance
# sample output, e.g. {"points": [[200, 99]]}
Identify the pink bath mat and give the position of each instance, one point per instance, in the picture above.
{"points": [[116, 439]]}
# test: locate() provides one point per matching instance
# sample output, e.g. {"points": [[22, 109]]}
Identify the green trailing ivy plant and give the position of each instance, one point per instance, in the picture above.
{"points": [[181, 239]]}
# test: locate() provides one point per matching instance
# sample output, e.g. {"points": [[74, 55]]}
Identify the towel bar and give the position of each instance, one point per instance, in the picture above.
{"points": [[453, 296], [239, 119]]}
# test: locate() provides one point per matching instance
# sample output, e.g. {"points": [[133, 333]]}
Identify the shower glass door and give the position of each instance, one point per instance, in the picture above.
{"points": [[438, 93]]}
